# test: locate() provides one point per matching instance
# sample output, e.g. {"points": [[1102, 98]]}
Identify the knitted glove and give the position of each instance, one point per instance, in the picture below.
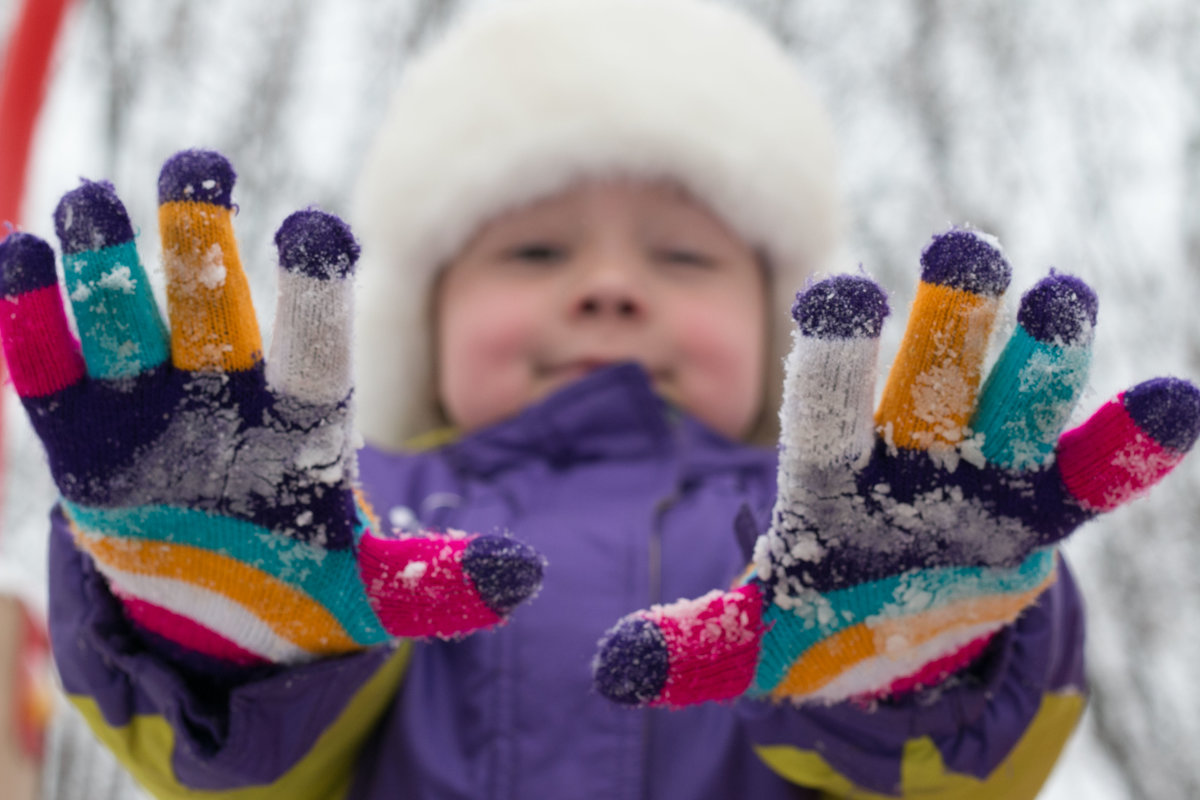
{"points": [[216, 493], [899, 545]]}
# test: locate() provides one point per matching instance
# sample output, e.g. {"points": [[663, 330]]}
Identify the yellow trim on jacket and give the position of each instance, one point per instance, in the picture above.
{"points": [[145, 745], [923, 774]]}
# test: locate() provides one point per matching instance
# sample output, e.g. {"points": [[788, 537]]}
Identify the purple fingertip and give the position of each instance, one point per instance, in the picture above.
{"points": [[1059, 309], [504, 571], [632, 663], [199, 176], [91, 217], [26, 264], [841, 307], [967, 260], [316, 244], [1167, 409]]}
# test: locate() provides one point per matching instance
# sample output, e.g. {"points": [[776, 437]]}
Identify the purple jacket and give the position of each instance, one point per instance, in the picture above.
{"points": [[631, 503]]}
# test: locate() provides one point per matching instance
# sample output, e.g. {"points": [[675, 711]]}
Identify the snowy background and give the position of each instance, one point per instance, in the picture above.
{"points": [[1071, 130]]}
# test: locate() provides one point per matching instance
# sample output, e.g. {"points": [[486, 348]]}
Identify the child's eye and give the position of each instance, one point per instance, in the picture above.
{"points": [[537, 253], [685, 257]]}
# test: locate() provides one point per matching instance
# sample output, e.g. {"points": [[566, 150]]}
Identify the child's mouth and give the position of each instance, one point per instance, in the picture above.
{"points": [[577, 368], [570, 370]]}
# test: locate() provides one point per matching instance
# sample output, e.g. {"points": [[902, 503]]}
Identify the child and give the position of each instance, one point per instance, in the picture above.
{"points": [[561, 188]]}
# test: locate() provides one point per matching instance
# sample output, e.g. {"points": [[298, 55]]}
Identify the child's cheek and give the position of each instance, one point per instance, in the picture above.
{"points": [[725, 345], [485, 364], [504, 338], [722, 361]]}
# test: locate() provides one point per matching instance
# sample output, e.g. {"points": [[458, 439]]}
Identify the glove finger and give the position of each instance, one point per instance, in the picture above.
{"points": [[42, 354], [930, 390], [213, 327], [446, 585], [121, 330], [1130, 443], [1029, 394], [829, 384], [310, 346], [683, 653], [826, 429]]}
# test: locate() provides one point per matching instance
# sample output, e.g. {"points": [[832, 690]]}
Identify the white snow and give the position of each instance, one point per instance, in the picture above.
{"points": [[118, 279], [211, 274]]}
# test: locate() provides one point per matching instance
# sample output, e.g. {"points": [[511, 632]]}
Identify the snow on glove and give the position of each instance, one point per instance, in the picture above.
{"points": [[216, 493], [900, 544]]}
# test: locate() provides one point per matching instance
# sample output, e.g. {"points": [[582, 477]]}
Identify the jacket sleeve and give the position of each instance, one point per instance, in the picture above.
{"points": [[994, 731], [276, 732]]}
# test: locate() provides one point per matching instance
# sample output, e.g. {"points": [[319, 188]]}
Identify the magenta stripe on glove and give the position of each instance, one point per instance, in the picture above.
{"points": [[42, 354], [1130, 443]]}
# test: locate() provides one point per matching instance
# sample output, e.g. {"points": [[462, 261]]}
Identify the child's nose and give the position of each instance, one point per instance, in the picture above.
{"points": [[597, 303], [612, 291]]}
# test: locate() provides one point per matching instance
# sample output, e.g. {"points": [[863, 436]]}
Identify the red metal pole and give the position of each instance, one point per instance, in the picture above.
{"points": [[22, 89]]}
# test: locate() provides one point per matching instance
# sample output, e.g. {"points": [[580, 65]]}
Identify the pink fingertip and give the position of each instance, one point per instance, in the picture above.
{"points": [[1109, 459], [418, 588], [43, 355], [186, 632], [713, 645]]}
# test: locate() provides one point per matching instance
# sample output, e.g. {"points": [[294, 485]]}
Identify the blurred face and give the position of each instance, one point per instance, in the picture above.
{"points": [[604, 272]]}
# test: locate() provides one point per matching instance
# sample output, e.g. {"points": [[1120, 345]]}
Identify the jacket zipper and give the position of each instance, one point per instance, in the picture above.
{"points": [[654, 573]]}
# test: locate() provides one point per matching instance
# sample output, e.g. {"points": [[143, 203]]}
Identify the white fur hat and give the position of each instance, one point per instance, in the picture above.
{"points": [[523, 97]]}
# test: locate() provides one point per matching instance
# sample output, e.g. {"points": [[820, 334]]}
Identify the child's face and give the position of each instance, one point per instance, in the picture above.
{"points": [[604, 272]]}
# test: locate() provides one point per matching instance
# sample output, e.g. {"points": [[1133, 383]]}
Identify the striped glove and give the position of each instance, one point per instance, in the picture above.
{"points": [[900, 544], [216, 493]]}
